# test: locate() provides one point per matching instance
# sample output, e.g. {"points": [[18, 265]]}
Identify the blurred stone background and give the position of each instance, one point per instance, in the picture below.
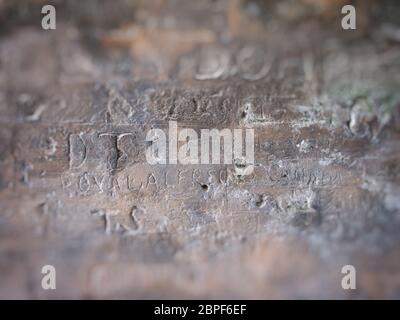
{"points": [[324, 103]]}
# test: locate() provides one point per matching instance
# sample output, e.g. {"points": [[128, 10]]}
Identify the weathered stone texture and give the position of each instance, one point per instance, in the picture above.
{"points": [[324, 104]]}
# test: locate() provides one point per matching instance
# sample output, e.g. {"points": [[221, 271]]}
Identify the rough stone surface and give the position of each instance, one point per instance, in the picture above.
{"points": [[325, 107]]}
